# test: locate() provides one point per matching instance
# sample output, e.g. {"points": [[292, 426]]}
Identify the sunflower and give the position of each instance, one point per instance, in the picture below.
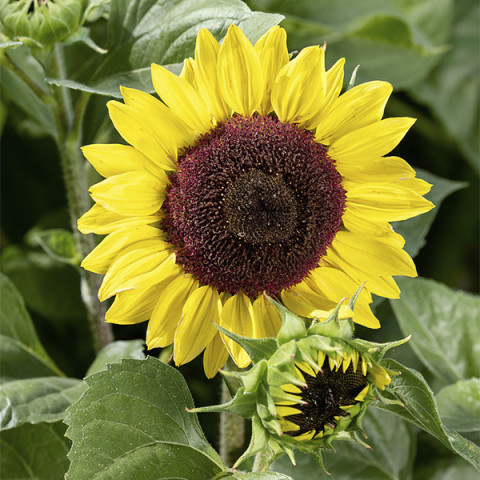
{"points": [[252, 176]]}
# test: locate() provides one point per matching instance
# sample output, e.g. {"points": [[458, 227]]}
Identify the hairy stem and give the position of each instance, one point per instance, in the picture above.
{"points": [[232, 427], [69, 123]]}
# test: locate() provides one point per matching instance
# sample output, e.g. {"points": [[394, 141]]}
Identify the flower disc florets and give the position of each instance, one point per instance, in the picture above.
{"points": [[253, 206]]}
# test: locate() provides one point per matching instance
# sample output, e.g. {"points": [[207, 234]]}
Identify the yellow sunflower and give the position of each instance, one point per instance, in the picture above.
{"points": [[253, 175]]}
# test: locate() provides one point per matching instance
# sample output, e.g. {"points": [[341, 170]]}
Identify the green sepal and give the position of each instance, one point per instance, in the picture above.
{"points": [[377, 350], [281, 396], [279, 449], [258, 442], [333, 326], [293, 326], [251, 379], [317, 454], [318, 342], [267, 410], [306, 354], [257, 348], [243, 405]]}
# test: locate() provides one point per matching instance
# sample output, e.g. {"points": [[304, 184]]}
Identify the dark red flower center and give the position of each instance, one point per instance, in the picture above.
{"points": [[253, 206]]}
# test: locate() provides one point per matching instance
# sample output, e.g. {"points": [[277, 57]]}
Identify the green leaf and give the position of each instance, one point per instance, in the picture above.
{"points": [[19, 93], [132, 422], [391, 457], [397, 41], [115, 352], [459, 405], [59, 244], [21, 353], [37, 400], [34, 452], [443, 324], [49, 287], [415, 230], [446, 469], [162, 32], [261, 476], [452, 90], [420, 408]]}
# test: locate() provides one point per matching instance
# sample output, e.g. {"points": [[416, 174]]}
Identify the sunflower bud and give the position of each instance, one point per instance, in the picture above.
{"points": [[308, 387], [41, 21]]}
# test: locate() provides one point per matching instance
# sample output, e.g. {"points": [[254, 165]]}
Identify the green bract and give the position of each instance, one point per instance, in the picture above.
{"points": [[307, 387], [41, 22]]}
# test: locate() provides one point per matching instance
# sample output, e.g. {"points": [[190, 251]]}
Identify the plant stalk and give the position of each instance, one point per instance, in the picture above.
{"points": [[69, 123]]}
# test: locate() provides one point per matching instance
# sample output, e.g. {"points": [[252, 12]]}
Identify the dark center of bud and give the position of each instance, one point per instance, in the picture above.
{"points": [[325, 394], [253, 206], [260, 208]]}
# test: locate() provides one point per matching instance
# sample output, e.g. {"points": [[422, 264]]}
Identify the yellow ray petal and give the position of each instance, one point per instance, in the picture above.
{"points": [[182, 98], [134, 306], [188, 72], [305, 437], [285, 411], [287, 426], [333, 89], [206, 56], [360, 106], [299, 89], [102, 221], [376, 255], [237, 317], [386, 202], [132, 126], [169, 127], [239, 73], [272, 52], [355, 222], [168, 310], [114, 159], [102, 256], [196, 330], [215, 356], [289, 388], [370, 142], [131, 193], [419, 186], [267, 318]]}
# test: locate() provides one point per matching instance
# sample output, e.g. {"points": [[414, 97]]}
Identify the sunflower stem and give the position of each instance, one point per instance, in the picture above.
{"points": [[232, 427], [69, 122]]}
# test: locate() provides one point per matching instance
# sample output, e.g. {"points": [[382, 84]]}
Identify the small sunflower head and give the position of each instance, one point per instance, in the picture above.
{"points": [[41, 22], [308, 387]]}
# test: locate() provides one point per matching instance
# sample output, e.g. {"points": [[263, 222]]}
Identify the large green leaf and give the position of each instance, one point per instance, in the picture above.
{"points": [[37, 400], [446, 469], [162, 32], [415, 230], [132, 419], [391, 457], [34, 452], [459, 405], [444, 327], [395, 40], [452, 90], [420, 408], [21, 353]]}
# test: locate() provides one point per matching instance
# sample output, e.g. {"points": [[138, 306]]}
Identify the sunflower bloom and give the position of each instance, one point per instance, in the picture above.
{"points": [[253, 175]]}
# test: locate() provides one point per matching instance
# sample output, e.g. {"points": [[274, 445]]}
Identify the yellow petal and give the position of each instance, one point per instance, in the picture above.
{"points": [[333, 89], [173, 131], [272, 52], [168, 310], [370, 142], [419, 186], [133, 306], [386, 202], [305, 437], [196, 330], [133, 127], [239, 73], [287, 426], [113, 159], [299, 89], [376, 255], [354, 221], [206, 56], [285, 411], [267, 318], [237, 317], [188, 72], [102, 221], [131, 193], [360, 106], [215, 356], [101, 257], [182, 98], [127, 270]]}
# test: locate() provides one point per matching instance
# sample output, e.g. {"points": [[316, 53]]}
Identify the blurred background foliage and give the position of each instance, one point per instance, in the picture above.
{"points": [[428, 50]]}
